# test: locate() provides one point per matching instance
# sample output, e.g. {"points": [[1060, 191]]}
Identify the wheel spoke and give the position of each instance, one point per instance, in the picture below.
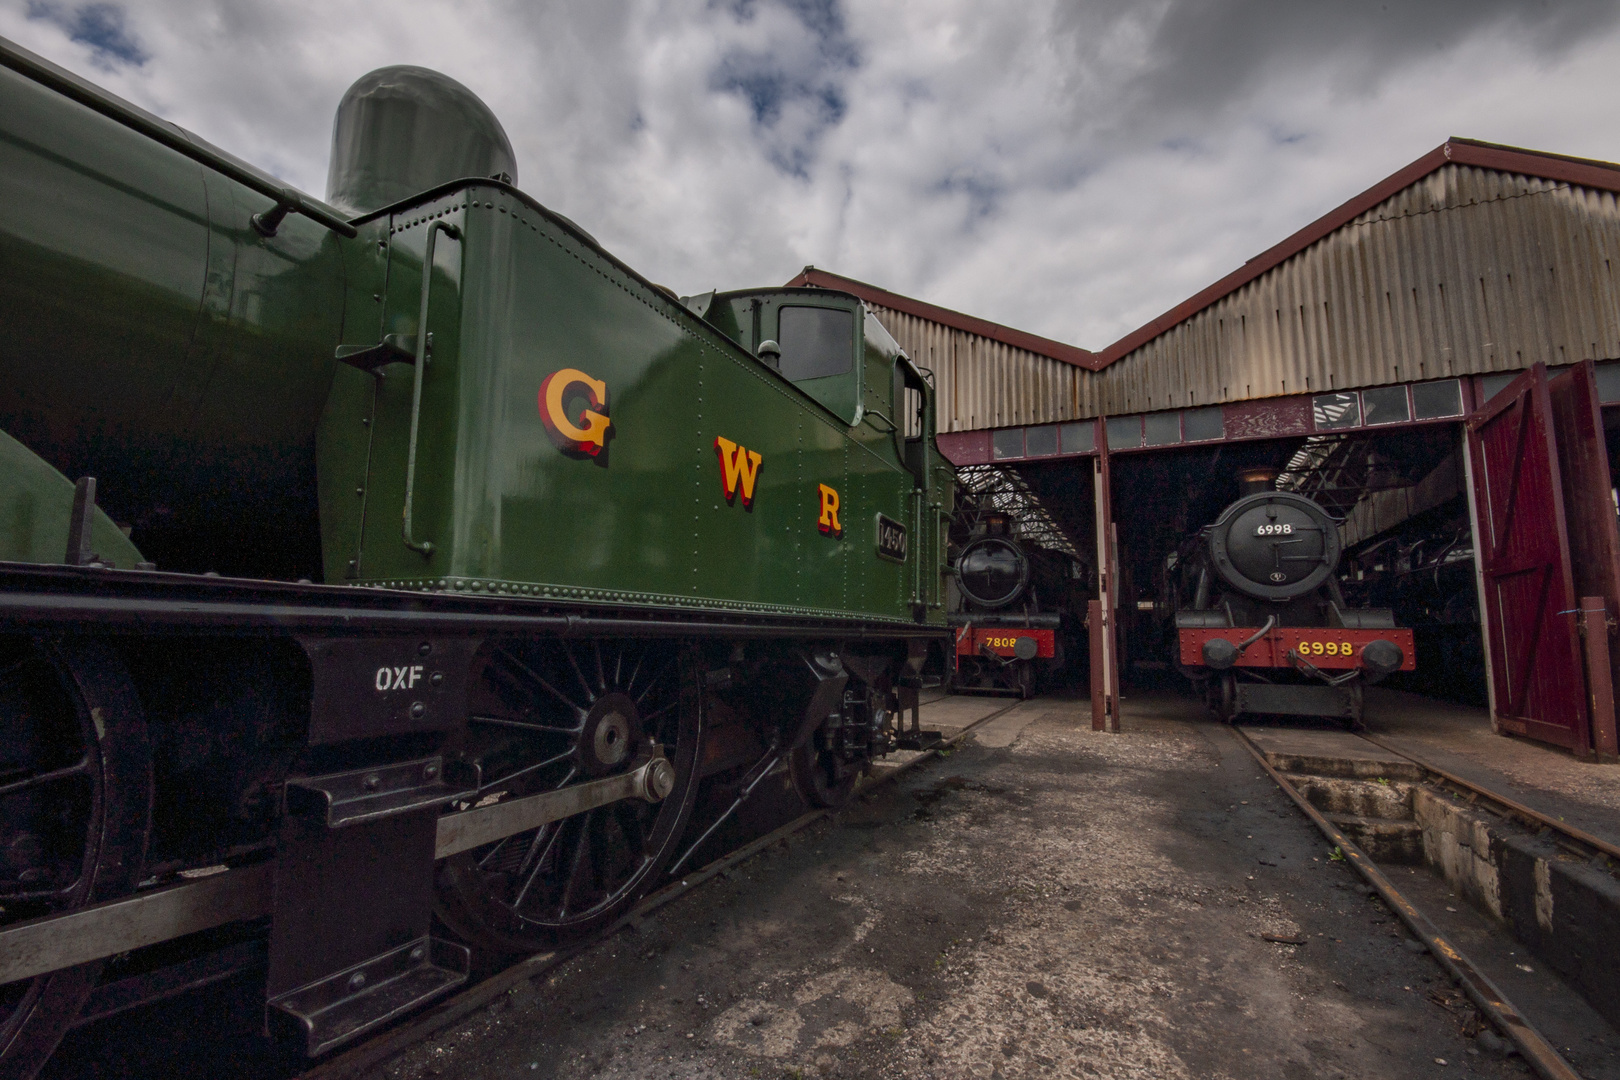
{"points": [[601, 679], [564, 756], [544, 685], [539, 864], [630, 823], [78, 768], [488, 856], [656, 679], [569, 652], [578, 863], [630, 686], [525, 725], [659, 712]]}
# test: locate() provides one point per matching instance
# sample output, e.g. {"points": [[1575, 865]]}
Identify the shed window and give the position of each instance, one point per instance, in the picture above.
{"points": [[816, 342], [1079, 438], [1385, 405], [1163, 428], [1608, 383], [1007, 442], [1040, 441], [1198, 425], [1124, 432], [1432, 400], [1491, 385], [1335, 411]]}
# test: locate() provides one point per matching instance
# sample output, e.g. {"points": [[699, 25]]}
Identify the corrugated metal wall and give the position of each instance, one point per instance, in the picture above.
{"points": [[982, 383], [1467, 271]]}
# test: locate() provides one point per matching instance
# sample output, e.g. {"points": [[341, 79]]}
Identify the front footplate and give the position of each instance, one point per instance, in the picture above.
{"points": [[351, 1002], [349, 944]]}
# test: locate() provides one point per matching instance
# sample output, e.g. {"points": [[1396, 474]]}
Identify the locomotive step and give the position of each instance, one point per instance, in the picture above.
{"points": [[351, 1002]]}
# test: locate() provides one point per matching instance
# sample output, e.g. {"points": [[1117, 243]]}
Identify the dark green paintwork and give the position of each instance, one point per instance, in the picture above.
{"points": [[156, 341], [521, 296], [36, 508]]}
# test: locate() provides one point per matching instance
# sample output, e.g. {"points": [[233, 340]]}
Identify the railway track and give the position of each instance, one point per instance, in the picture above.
{"points": [[1506, 1017], [380, 1048]]}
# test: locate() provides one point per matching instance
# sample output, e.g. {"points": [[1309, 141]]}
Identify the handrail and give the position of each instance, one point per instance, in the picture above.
{"points": [[424, 342], [175, 138]]}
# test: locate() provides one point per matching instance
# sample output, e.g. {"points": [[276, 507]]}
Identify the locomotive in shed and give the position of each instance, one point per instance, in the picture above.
{"points": [[1262, 625], [381, 578], [1016, 579]]}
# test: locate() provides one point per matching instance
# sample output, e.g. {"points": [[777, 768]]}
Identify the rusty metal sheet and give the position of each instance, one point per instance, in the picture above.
{"points": [[1268, 419]]}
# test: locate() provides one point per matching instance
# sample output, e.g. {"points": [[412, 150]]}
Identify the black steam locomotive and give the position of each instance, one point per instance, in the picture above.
{"points": [[1015, 578], [1261, 623]]}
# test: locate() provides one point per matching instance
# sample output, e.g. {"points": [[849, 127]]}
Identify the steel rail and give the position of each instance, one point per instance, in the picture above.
{"points": [[1534, 817], [1507, 1018], [380, 1048]]}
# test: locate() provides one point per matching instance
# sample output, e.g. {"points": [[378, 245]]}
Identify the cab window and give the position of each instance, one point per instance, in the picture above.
{"points": [[816, 342]]}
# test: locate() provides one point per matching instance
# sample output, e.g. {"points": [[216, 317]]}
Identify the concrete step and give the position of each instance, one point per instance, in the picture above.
{"points": [[1330, 753], [1395, 842], [1387, 799]]}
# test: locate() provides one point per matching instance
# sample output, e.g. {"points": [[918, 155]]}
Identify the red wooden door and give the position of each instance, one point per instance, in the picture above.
{"points": [[1594, 536], [1538, 682]]}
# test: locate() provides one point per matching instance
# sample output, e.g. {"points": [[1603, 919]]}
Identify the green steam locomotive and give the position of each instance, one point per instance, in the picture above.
{"points": [[382, 578]]}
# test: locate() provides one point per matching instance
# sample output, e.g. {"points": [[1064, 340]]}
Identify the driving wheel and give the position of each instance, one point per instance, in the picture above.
{"points": [[75, 810], [547, 715]]}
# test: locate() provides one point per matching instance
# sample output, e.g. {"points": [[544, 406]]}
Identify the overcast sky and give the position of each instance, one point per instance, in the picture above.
{"points": [[1068, 168]]}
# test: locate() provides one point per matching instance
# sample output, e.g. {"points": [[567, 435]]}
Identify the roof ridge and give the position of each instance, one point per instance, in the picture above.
{"points": [[1585, 172]]}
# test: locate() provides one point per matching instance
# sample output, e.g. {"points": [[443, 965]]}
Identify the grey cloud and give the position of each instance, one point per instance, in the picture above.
{"points": [[1202, 55], [101, 27], [1070, 169]]}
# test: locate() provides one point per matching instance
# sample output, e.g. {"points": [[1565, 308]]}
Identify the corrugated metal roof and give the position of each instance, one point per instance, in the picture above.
{"points": [[1466, 271], [1475, 258], [981, 382]]}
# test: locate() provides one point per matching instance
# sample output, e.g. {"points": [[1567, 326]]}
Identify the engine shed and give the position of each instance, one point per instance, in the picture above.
{"points": [[1436, 363]]}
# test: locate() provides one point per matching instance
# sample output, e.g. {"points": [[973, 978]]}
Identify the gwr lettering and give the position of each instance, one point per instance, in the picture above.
{"points": [[828, 522], [739, 467], [398, 678]]}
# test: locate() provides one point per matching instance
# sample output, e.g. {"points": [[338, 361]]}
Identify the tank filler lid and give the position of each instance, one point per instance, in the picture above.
{"points": [[402, 130]]}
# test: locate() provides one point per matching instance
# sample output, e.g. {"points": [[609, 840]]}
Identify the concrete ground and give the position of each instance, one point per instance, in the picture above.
{"points": [[1459, 739], [1045, 902]]}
